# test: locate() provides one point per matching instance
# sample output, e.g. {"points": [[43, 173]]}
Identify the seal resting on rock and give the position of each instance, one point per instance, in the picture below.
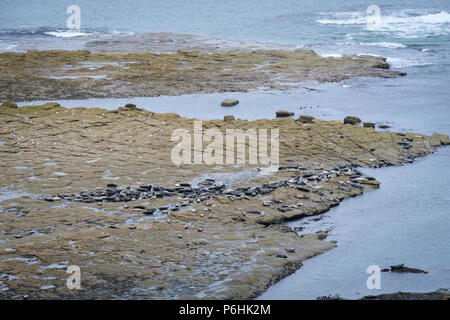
{"points": [[352, 120], [229, 102], [284, 113]]}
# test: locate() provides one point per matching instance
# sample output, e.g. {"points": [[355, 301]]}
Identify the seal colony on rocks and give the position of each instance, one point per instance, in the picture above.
{"points": [[169, 231]]}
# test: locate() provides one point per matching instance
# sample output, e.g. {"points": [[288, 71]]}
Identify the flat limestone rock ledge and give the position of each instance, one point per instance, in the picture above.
{"points": [[58, 74], [220, 248], [434, 295]]}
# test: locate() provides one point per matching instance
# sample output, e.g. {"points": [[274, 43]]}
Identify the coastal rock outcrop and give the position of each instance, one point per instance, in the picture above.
{"points": [[8, 104], [102, 182]]}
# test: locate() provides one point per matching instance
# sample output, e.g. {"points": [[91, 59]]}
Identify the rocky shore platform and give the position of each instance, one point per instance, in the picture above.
{"points": [[80, 74], [97, 189]]}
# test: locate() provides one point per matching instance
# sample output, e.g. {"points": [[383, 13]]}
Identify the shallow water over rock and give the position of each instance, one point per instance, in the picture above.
{"points": [[405, 221]]}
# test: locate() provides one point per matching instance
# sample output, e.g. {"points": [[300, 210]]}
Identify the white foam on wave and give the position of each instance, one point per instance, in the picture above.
{"points": [[405, 23], [7, 47], [405, 62], [390, 45], [330, 55], [66, 34], [368, 54]]}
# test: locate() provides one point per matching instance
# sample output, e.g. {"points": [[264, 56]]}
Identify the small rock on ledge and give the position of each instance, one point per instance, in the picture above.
{"points": [[228, 118], [369, 125]]}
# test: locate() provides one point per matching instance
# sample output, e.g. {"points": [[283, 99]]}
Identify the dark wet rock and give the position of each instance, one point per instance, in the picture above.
{"points": [[384, 126], [441, 294], [401, 268], [282, 256], [131, 106], [330, 297], [111, 185], [8, 104], [305, 119], [369, 125], [229, 102], [284, 114], [352, 120], [228, 118]]}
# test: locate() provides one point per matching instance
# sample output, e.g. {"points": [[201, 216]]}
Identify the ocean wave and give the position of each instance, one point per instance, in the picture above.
{"points": [[404, 62], [330, 55], [361, 18], [407, 24], [7, 47], [42, 31], [390, 45], [66, 34]]}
